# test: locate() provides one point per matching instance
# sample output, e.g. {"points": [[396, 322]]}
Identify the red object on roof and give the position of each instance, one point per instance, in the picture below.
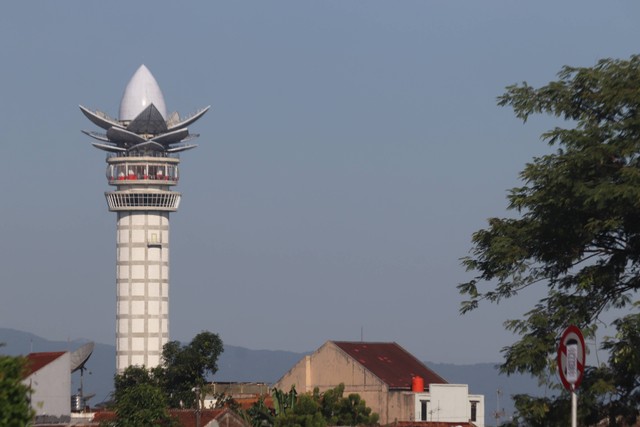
{"points": [[390, 362], [37, 361]]}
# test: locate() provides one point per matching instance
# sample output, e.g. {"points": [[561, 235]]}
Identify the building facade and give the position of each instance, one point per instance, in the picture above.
{"points": [[393, 383], [449, 402]]}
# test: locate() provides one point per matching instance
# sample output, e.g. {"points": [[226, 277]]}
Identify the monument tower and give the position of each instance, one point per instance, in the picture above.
{"points": [[143, 147]]}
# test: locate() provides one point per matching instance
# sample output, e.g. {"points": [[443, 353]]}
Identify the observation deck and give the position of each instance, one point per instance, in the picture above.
{"points": [[142, 181], [143, 169]]}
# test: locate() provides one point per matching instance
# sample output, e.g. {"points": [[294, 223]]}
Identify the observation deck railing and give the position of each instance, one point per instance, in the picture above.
{"points": [[158, 154], [165, 201]]}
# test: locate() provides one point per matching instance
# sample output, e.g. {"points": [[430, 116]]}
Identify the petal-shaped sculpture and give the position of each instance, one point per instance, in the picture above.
{"points": [[141, 91], [181, 148], [172, 137], [99, 118], [122, 136], [149, 121], [96, 135], [147, 145], [191, 136], [186, 122], [109, 148]]}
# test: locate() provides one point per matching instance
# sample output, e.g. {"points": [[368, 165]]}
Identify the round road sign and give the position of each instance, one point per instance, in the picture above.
{"points": [[571, 357]]}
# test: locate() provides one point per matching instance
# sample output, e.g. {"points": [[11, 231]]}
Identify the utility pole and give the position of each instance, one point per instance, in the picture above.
{"points": [[197, 389], [498, 413]]}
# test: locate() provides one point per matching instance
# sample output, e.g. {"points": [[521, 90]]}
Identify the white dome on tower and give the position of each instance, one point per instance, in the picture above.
{"points": [[141, 91]]}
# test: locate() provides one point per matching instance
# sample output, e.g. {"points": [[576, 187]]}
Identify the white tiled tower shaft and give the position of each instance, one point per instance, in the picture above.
{"points": [[142, 281]]}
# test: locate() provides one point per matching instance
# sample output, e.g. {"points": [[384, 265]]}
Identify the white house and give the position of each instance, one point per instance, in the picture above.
{"points": [[450, 403], [49, 377]]}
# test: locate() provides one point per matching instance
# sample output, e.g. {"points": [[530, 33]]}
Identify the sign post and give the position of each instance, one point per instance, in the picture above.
{"points": [[571, 360]]}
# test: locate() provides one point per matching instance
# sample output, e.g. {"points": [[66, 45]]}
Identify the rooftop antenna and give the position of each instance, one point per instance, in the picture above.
{"points": [[361, 333], [437, 412], [499, 412]]}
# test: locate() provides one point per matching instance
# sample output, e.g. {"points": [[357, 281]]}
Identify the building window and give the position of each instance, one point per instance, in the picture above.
{"points": [[474, 410], [423, 410]]}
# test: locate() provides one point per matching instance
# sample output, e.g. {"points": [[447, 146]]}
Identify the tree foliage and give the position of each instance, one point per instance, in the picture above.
{"points": [[305, 413], [284, 402], [345, 411], [15, 410], [139, 399], [186, 368], [315, 409], [142, 396], [259, 414], [576, 230]]}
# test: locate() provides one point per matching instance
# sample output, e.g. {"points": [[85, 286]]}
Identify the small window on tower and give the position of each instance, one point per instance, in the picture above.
{"points": [[154, 241]]}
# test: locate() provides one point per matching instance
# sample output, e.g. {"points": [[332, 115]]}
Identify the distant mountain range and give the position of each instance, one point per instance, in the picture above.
{"points": [[244, 365]]}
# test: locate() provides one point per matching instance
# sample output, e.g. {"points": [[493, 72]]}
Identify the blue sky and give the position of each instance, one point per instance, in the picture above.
{"points": [[352, 149]]}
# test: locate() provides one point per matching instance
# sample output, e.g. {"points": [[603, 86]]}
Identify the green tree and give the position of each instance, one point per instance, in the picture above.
{"points": [[139, 399], [185, 368], [313, 409], [330, 402], [284, 402], [15, 410], [575, 230], [305, 413], [346, 411], [258, 415], [616, 386], [183, 372], [353, 411]]}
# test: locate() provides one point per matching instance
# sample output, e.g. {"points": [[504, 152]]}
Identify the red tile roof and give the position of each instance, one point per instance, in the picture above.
{"points": [[104, 415], [247, 402], [391, 363], [37, 361]]}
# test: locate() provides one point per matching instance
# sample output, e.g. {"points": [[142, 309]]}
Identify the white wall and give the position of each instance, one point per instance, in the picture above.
{"points": [[479, 399], [51, 388], [449, 403]]}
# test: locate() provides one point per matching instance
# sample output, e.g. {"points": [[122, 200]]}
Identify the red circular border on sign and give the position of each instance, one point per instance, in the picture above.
{"points": [[562, 349]]}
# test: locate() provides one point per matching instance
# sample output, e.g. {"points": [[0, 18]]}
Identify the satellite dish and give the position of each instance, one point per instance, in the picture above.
{"points": [[81, 355]]}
